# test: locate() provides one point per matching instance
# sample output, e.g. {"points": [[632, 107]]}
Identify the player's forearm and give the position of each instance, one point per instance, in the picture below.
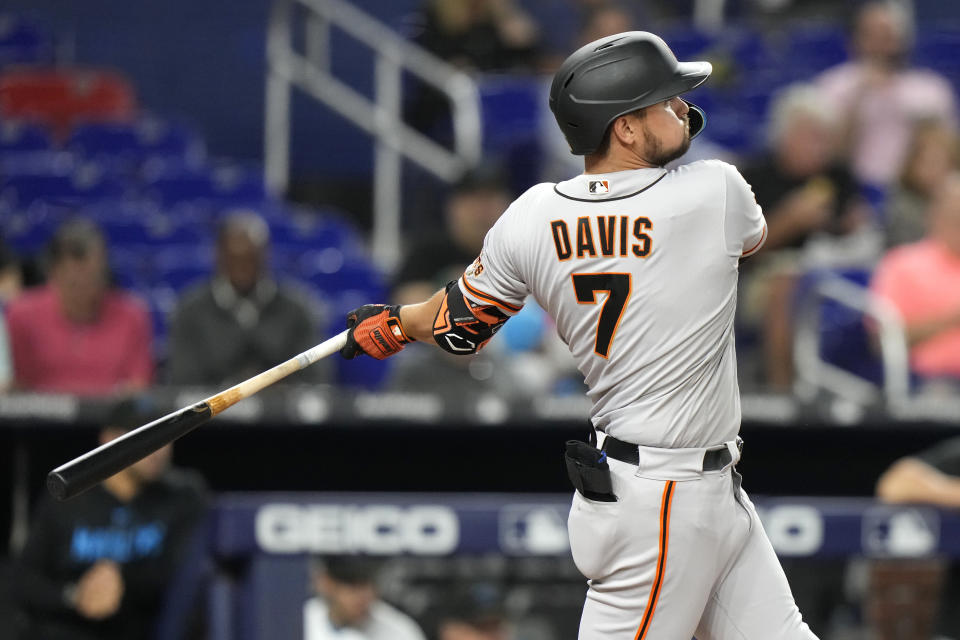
{"points": [[912, 480], [417, 319]]}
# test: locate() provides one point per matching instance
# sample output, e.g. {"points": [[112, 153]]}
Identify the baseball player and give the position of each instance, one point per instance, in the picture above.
{"points": [[638, 267]]}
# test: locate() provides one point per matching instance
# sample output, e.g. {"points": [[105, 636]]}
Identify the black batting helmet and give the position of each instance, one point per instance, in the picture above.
{"points": [[615, 75]]}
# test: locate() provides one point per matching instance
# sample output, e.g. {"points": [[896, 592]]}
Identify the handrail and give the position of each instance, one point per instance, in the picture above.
{"points": [[381, 117], [814, 370]]}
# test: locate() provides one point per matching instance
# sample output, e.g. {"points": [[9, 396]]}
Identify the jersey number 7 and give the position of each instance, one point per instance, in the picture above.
{"points": [[617, 287]]}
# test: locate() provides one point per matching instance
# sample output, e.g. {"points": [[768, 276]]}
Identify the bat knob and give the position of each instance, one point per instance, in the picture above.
{"points": [[56, 485]]}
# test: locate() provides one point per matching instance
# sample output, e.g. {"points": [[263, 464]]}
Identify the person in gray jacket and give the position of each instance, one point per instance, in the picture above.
{"points": [[242, 321]]}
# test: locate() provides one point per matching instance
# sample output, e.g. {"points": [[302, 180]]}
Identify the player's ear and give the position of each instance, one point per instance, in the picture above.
{"points": [[626, 129]]}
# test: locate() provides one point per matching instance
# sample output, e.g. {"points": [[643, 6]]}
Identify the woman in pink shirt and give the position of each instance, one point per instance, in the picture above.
{"points": [[922, 281], [76, 334]]}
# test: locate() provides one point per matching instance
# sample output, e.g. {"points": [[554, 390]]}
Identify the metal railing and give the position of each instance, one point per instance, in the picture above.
{"points": [[813, 370], [381, 117]]}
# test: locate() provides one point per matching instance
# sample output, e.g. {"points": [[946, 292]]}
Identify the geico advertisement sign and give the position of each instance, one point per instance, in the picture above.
{"points": [[793, 529], [375, 529]]}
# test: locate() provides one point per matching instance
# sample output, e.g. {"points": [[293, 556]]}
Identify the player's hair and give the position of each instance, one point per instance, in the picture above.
{"points": [[796, 99], [75, 239]]}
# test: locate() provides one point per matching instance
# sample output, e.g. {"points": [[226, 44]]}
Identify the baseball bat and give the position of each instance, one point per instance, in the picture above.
{"points": [[78, 475]]}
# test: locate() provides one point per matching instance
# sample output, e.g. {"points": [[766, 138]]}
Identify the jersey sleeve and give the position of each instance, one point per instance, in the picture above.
{"points": [[744, 227], [494, 278], [944, 457]]}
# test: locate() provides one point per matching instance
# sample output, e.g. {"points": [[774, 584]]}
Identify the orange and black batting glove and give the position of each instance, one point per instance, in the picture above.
{"points": [[375, 330]]}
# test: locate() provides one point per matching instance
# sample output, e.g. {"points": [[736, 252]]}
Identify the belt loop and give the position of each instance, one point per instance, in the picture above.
{"points": [[735, 447]]}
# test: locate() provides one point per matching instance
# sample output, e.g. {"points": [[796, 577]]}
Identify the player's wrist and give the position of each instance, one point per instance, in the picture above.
{"points": [[375, 330]]}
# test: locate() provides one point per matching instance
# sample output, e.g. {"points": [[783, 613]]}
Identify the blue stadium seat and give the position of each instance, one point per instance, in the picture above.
{"points": [[687, 43], [748, 48], [173, 189], [23, 42], [328, 272], [29, 230], [37, 162], [184, 276], [82, 186], [135, 143], [177, 265], [130, 267], [229, 185], [811, 48], [511, 110], [844, 339], [310, 234], [937, 49], [22, 136]]}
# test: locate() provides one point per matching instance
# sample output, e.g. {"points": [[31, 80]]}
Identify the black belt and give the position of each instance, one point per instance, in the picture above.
{"points": [[713, 459]]}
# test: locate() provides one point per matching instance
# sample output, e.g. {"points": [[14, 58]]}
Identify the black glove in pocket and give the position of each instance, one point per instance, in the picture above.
{"points": [[589, 472]]}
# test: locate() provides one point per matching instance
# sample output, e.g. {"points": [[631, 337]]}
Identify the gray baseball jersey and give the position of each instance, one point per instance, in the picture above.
{"points": [[639, 270]]}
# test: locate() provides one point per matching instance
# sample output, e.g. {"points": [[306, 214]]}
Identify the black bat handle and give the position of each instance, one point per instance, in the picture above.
{"points": [[78, 475]]}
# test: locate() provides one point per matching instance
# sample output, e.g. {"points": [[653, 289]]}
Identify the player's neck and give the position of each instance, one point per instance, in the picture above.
{"points": [[123, 486], [614, 160]]}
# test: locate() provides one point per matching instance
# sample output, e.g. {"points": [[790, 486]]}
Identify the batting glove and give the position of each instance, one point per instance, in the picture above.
{"points": [[375, 330]]}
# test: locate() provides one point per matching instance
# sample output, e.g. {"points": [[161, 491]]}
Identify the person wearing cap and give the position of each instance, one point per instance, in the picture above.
{"points": [[472, 206], [97, 567], [347, 606]]}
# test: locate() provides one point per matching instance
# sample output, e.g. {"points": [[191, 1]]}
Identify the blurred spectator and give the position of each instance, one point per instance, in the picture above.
{"points": [[97, 567], [922, 281], [347, 606], [485, 35], [879, 96], [474, 612], [600, 18], [931, 156], [474, 204], [10, 285], [243, 321], [806, 194], [11, 276], [76, 334], [931, 476], [604, 19], [6, 364], [475, 35]]}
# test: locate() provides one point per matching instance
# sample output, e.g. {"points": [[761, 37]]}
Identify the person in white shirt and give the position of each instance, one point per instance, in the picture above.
{"points": [[347, 606]]}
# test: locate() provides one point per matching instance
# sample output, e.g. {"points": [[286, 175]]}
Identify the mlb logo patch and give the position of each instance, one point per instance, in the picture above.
{"points": [[599, 186]]}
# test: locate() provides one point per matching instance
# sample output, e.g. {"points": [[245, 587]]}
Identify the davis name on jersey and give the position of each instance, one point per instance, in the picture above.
{"points": [[611, 233], [614, 267]]}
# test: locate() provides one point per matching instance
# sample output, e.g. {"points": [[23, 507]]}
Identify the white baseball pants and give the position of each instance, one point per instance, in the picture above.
{"points": [[681, 554]]}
